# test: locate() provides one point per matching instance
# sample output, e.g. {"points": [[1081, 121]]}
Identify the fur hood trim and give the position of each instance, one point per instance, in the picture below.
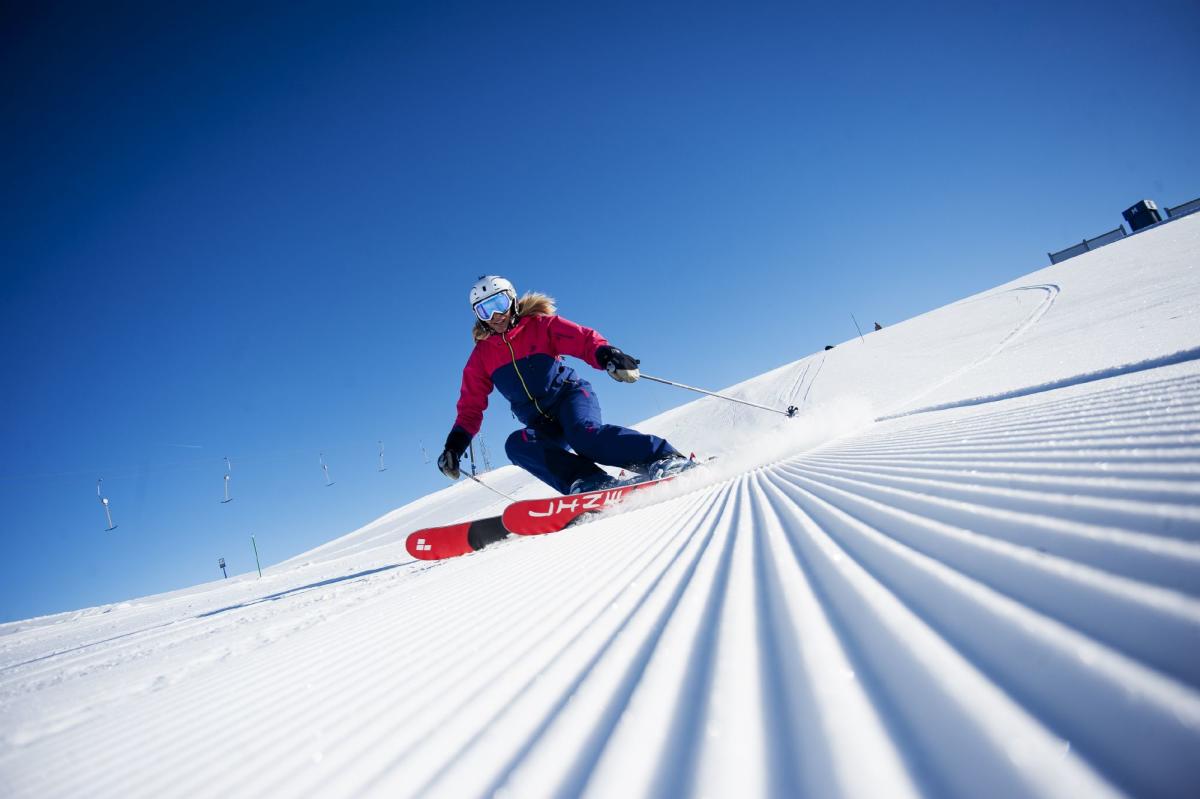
{"points": [[532, 303]]}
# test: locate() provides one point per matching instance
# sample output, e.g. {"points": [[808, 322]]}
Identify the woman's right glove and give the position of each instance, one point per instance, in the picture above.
{"points": [[448, 464], [456, 444], [619, 365]]}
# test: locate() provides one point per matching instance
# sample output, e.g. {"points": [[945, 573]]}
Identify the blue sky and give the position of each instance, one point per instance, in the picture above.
{"points": [[250, 233]]}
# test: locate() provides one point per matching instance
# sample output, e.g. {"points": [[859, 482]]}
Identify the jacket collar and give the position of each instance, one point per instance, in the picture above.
{"points": [[516, 326]]}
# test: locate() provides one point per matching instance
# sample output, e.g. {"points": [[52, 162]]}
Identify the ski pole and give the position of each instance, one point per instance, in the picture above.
{"points": [[489, 488], [790, 412]]}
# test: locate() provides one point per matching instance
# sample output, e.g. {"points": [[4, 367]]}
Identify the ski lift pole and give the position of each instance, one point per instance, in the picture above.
{"points": [[107, 512], [257, 562], [790, 412]]}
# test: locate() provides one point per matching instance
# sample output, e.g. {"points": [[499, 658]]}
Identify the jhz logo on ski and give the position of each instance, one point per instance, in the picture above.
{"points": [[422, 546], [590, 502]]}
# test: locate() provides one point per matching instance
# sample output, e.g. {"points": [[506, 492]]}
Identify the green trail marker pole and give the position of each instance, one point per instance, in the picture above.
{"points": [[256, 563]]}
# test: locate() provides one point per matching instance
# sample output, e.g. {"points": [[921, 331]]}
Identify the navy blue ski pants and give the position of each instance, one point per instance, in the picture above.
{"points": [[544, 449]]}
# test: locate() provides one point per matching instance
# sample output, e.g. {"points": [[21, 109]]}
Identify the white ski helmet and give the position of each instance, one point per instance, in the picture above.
{"points": [[488, 285]]}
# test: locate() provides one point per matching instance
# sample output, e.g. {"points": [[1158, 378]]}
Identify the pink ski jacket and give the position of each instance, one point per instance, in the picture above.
{"points": [[526, 365]]}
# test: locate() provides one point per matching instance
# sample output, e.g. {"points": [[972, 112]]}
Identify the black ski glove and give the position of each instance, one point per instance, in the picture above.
{"points": [[456, 444], [619, 365], [448, 464]]}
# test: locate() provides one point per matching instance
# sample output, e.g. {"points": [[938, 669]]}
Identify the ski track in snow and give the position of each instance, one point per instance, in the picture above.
{"points": [[1051, 290], [995, 594]]}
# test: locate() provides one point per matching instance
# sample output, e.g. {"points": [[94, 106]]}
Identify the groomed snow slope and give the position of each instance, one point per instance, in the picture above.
{"points": [[970, 568]]}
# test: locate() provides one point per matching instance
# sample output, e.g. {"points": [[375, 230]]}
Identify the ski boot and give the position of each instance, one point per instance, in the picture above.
{"points": [[595, 482], [667, 466]]}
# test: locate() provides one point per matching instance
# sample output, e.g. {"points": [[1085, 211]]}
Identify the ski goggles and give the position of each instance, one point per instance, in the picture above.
{"points": [[497, 303]]}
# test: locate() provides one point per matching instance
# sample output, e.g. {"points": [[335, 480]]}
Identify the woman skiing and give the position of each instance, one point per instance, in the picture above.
{"points": [[519, 346]]}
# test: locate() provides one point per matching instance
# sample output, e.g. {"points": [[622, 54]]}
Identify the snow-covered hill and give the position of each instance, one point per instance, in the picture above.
{"points": [[969, 568]]}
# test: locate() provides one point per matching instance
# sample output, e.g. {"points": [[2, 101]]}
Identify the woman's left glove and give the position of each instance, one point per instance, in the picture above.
{"points": [[456, 444], [619, 365]]}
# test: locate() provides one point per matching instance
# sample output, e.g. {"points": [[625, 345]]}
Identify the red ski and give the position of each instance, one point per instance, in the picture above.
{"points": [[524, 517], [436, 543], [537, 516]]}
